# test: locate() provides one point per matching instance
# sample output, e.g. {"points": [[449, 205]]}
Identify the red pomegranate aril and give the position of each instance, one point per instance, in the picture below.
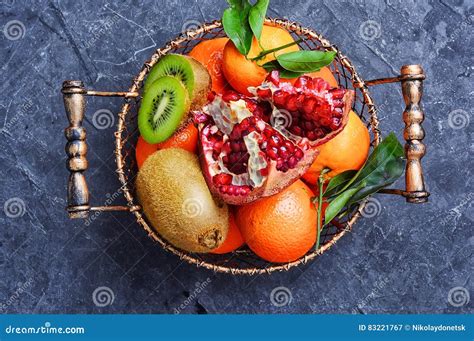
{"points": [[283, 152], [279, 98], [298, 153], [291, 103], [231, 96], [274, 77], [211, 95], [264, 93], [235, 146], [272, 153], [301, 81], [308, 105], [274, 141], [338, 93], [292, 161], [222, 179]]}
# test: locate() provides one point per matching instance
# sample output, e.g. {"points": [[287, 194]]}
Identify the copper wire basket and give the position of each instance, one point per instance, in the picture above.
{"points": [[241, 261]]}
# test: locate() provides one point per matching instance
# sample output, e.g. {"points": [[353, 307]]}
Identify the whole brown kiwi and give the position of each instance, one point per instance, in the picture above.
{"points": [[177, 202]]}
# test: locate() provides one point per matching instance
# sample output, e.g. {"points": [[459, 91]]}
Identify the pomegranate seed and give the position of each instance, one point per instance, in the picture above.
{"points": [[211, 95], [274, 141], [235, 146], [291, 103], [300, 100], [301, 82], [311, 135], [230, 96], [279, 98], [288, 145], [308, 105], [296, 130], [335, 123], [298, 154], [283, 152], [292, 161], [264, 93], [222, 179], [272, 153], [274, 77], [308, 125], [338, 93]]}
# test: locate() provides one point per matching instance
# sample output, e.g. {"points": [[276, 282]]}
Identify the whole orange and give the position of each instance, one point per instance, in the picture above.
{"points": [[234, 238], [210, 54], [348, 150], [280, 228], [185, 138], [241, 72]]}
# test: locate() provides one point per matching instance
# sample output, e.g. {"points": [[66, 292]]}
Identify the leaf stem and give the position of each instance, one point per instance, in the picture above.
{"points": [[265, 52], [320, 205]]}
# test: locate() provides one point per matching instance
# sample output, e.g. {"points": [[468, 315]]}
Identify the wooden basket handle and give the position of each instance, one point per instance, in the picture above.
{"points": [[411, 78], [76, 149]]}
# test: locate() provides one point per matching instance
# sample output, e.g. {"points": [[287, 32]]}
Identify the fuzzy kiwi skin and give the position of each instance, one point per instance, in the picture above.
{"points": [[202, 84], [177, 202]]}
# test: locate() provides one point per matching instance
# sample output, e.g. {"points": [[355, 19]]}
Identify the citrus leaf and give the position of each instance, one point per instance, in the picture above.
{"points": [[274, 65], [305, 61], [338, 182], [336, 205], [236, 25], [257, 17]]}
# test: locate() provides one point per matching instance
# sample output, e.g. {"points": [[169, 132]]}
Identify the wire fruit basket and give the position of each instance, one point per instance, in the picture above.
{"points": [[241, 261]]}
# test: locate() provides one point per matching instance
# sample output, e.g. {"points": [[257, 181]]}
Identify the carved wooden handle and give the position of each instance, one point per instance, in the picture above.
{"points": [[412, 88], [76, 149]]}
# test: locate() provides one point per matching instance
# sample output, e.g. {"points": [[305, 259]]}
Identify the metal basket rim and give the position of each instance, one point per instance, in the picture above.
{"points": [[119, 157]]}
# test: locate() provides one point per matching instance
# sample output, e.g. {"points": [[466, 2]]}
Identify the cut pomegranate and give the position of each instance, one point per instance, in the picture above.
{"points": [[255, 147]]}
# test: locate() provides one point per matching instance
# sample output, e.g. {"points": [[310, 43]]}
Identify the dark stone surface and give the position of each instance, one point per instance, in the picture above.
{"points": [[406, 259]]}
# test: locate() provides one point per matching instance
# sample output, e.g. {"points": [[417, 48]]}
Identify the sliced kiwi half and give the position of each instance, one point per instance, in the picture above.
{"points": [[163, 108], [188, 70]]}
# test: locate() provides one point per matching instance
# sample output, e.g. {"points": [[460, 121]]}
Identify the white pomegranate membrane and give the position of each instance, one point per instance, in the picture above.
{"points": [[255, 147]]}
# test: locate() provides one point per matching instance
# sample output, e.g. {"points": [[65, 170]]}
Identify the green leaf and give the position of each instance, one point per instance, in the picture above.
{"points": [[257, 17], [338, 182], [389, 150], [336, 205], [305, 61], [380, 179], [236, 25], [274, 65]]}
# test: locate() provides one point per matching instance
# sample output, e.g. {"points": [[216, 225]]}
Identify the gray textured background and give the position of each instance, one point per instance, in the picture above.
{"points": [[405, 259]]}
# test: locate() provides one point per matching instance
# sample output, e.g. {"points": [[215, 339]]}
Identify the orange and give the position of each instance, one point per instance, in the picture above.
{"points": [[280, 228], [348, 150], [186, 139], [234, 238], [241, 72], [210, 53]]}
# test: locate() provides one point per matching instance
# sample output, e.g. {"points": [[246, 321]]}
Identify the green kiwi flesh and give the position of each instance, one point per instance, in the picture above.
{"points": [[162, 109], [172, 65]]}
